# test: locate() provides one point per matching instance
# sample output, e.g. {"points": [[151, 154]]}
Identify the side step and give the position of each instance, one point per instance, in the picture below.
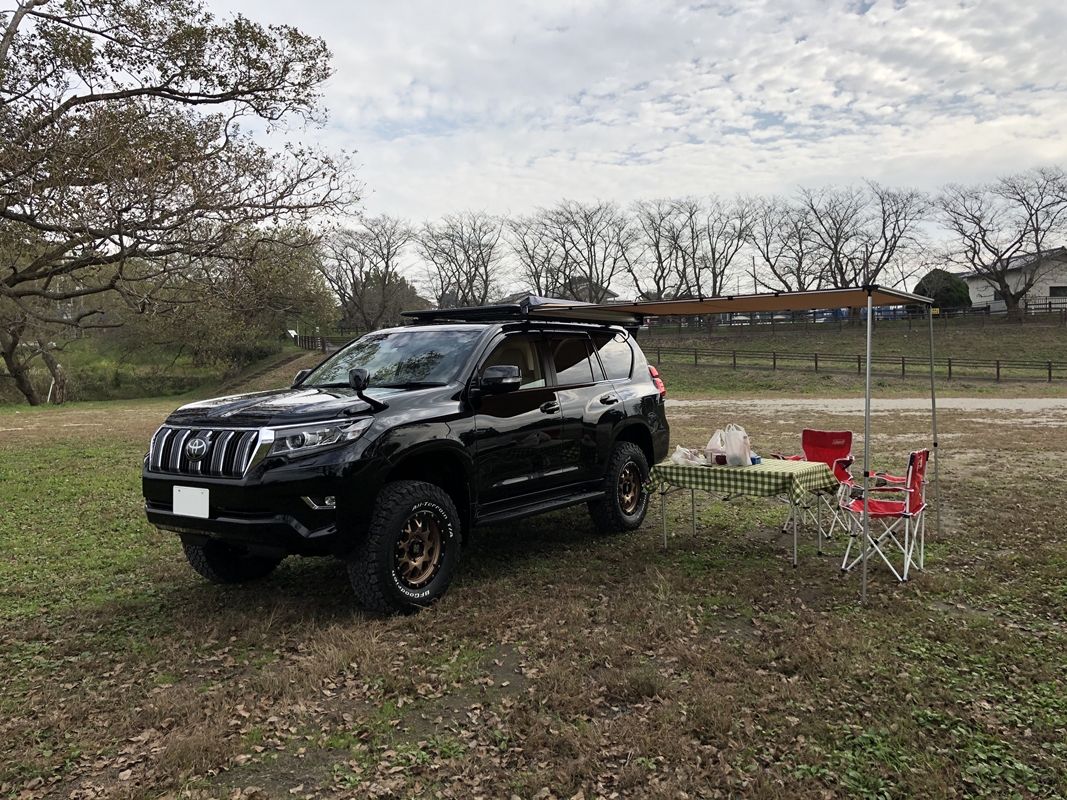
{"points": [[537, 508]]}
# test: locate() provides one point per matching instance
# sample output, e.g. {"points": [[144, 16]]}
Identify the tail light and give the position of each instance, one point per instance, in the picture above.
{"points": [[656, 379]]}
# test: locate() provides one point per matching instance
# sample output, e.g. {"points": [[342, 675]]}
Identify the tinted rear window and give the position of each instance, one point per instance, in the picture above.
{"points": [[615, 355], [570, 355]]}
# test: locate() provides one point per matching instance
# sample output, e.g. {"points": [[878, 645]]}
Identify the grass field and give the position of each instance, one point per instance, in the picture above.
{"points": [[1038, 338], [101, 370], [561, 664]]}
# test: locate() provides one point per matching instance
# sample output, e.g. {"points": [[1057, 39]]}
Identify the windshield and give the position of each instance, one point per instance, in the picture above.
{"points": [[410, 358]]}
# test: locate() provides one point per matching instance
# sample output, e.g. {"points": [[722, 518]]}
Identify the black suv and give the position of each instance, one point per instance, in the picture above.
{"points": [[394, 448]]}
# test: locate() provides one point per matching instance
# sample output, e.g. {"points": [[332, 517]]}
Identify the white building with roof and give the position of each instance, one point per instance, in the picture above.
{"points": [[1049, 292]]}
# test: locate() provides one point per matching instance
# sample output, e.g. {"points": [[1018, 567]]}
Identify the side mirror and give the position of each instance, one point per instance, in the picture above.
{"points": [[358, 379], [300, 376], [500, 379]]}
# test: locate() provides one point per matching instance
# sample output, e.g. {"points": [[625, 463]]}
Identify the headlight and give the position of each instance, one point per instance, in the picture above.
{"points": [[304, 439]]}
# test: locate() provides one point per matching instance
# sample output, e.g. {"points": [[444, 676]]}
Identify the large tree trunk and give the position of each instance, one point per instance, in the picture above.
{"points": [[1012, 305], [18, 370]]}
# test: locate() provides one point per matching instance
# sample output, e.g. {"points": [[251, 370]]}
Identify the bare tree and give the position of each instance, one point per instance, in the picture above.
{"points": [[859, 232], [110, 176], [688, 246], [654, 263], [836, 219], [539, 254], [692, 243], [464, 257], [781, 234], [726, 229], [363, 267], [1006, 227], [686, 233], [595, 240]]}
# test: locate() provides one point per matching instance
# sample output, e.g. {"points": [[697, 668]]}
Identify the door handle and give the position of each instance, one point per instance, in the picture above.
{"points": [[608, 400], [551, 407]]}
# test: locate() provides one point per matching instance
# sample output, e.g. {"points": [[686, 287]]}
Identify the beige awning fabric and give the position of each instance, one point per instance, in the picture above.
{"points": [[738, 303]]}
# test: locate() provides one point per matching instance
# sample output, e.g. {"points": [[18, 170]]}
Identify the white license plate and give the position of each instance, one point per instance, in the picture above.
{"points": [[190, 502]]}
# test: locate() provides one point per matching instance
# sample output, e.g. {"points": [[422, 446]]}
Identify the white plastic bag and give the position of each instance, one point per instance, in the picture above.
{"points": [[687, 458], [715, 452], [738, 453]]}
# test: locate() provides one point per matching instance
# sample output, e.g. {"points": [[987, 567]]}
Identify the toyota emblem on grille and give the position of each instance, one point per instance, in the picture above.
{"points": [[196, 449]]}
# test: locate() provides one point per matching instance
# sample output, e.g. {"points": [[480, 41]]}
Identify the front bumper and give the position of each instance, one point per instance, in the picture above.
{"points": [[266, 511], [263, 532]]}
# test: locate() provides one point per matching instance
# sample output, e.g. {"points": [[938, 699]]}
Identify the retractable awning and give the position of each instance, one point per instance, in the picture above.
{"points": [[859, 297], [867, 297]]}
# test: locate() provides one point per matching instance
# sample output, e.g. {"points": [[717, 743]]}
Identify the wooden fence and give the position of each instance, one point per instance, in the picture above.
{"points": [[324, 344], [950, 368]]}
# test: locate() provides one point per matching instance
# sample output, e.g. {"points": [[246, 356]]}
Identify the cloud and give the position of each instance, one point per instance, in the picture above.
{"points": [[506, 106]]}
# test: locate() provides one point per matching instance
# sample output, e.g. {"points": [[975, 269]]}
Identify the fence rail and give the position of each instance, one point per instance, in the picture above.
{"points": [[1054, 314], [324, 344], [991, 369]]}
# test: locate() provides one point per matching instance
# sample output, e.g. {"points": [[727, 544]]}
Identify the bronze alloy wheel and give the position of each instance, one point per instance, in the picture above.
{"points": [[629, 489], [418, 550]]}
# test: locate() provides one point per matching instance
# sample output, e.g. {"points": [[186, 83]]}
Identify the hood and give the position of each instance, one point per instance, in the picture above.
{"points": [[275, 407]]}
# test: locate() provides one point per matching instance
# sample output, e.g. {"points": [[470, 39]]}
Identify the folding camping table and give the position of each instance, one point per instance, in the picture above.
{"points": [[772, 478]]}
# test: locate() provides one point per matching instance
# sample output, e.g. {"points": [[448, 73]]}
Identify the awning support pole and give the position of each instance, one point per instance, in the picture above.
{"points": [[933, 415], [867, 451]]}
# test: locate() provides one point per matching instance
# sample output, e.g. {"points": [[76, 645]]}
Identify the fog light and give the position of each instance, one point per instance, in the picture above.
{"points": [[321, 503], [330, 501]]}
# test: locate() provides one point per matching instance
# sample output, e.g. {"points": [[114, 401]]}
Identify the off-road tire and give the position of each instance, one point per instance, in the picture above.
{"points": [[221, 563], [411, 551], [625, 500]]}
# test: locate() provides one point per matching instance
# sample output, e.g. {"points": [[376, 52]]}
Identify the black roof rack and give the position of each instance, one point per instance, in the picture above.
{"points": [[471, 314], [531, 308]]}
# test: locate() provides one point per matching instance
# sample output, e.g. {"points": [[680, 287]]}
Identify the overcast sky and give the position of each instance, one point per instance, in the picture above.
{"points": [[505, 106]]}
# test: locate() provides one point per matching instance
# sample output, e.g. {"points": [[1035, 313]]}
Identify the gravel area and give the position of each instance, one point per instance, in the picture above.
{"points": [[846, 405]]}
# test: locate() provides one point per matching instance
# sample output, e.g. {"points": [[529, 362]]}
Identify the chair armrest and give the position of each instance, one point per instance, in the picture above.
{"points": [[890, 478]]}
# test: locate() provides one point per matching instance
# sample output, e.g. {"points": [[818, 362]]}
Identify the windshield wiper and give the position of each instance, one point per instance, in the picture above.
{"points": [[407, 385]]}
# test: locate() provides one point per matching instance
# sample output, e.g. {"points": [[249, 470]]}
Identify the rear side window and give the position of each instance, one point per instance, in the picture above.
{"points": [[615, 355], [570, 355]]}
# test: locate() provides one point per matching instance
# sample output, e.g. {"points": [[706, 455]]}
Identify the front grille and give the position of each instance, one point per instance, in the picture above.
{"points": [[228, 452]]}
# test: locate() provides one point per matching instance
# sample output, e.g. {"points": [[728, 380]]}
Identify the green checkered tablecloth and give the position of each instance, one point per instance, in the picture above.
{"points": [[769, 479]]}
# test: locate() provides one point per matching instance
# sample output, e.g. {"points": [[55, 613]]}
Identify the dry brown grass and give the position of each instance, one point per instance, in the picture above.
{"points": [[561, 663]]}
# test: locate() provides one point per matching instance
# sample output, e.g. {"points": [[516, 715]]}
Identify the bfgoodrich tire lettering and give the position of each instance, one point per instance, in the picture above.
{"points": [[221, 563], [625, 500], [411, 552]]}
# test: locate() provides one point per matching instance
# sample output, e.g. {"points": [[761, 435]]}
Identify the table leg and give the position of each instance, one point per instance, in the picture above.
{"points": [[818, 519], [663, 516], [693, 509], [795, 511]]}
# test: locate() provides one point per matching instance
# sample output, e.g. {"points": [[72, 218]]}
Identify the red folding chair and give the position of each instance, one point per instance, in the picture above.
{"points": [[833, 448], [895, 517]]}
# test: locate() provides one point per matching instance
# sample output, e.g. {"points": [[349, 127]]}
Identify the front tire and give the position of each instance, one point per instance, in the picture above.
{"points": [[411, 552], [625, 500], [221, 563]]}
